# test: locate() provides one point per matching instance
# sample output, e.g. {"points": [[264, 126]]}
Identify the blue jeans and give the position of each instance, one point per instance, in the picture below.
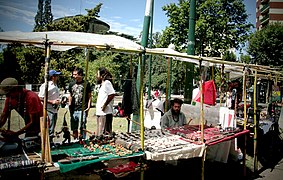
{"points": [[53, 119], [75, 122]]}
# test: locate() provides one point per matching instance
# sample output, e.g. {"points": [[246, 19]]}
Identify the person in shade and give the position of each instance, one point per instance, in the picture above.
{"points": [[174, 117], [28, 105]]}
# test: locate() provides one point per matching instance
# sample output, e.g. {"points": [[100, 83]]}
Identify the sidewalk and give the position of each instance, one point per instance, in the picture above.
{"points": [[272, 174]]}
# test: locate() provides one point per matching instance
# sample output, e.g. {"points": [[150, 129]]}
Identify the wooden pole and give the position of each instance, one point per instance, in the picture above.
{"points": [[221, 86], [45, 143], [201, 102], [141, 105], [201, 117], [255, 123], [245, 120], [85, 83]]}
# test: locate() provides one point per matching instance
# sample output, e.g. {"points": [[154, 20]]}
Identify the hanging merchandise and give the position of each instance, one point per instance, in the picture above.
{"points": [[209, 93]]}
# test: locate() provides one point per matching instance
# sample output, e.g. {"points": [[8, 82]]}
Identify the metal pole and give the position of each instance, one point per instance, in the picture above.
{"points": [[144, 43], [190, 51], [150, 56], [170, 84], [167, 85]]}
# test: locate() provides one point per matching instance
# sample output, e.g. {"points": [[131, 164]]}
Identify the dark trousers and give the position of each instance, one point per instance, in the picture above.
{"points": [[108, 123]]}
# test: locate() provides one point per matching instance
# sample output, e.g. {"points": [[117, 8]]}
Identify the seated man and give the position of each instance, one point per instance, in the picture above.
{"points": [[174, 117], [26, 103]]}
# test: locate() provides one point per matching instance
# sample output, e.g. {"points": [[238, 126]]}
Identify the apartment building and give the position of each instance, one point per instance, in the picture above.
{"points": [[268, 11]]}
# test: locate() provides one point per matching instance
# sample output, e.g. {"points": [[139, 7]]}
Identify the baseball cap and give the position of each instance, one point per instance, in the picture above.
{"points": [[7, 85], [53, 72]]}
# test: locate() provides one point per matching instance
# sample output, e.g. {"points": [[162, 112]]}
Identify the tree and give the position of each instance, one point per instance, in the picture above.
{"points": [[266, 46], [220, 25], [48, 17], [77, 23], [39, 22], [229, 56], [245, 58]]}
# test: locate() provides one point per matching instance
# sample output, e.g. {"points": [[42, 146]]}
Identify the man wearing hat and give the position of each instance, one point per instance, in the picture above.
{"points": [[26, 103], [53, 99]]}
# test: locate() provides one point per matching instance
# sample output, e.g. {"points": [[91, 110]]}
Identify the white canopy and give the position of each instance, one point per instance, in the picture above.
{"points": [[65, 40]]}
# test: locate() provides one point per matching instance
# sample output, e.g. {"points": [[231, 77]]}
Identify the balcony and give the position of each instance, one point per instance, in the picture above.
{"points": [[264, 19], [264, 8]]}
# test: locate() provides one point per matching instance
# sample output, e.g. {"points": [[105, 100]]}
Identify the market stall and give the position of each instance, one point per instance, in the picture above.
{"points": [[176, 145]]}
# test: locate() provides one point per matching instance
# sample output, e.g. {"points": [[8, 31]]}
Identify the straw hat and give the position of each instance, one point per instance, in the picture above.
{"points": [[7, 85]]}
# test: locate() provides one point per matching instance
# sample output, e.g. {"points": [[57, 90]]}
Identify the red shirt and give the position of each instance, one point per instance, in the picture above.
{"points": [[27, 103]]}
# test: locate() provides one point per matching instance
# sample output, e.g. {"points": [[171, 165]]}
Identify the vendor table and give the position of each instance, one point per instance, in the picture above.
{"points": [[77, 155]]}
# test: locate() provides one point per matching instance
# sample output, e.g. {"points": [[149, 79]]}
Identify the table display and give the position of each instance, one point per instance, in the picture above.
{"points": [[160, 145]]}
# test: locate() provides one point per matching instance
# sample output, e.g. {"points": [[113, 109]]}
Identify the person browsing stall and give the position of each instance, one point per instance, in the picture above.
{"points": [[77, 89], [174, 117], [26, 103], [53, 99], [105, 101]]}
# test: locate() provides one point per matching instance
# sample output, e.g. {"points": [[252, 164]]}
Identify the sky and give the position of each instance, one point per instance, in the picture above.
{"points": [[124, 16]]}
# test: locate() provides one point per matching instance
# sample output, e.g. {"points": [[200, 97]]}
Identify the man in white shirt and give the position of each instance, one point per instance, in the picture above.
{"points": [[53, 99], [105, 101]]}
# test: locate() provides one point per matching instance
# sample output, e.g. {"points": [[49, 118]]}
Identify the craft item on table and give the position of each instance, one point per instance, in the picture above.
{"points": [[65, 161], [16, 161], [103, 139], [123, 168], [211, 134]]}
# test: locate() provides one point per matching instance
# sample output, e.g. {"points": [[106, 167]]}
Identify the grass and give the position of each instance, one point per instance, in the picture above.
{"points": [[119, 124]]}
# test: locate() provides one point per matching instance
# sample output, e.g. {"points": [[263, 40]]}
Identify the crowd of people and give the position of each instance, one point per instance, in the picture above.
{"points": [[29, 105]]}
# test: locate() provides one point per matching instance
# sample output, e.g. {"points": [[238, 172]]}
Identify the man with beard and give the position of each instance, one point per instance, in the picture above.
{"points": [[105, 101], [174, 117]]}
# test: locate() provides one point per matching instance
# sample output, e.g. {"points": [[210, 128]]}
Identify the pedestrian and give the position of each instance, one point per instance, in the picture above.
{"points": [[27, 104], [105, 101], [79, 106], [53, 99]]}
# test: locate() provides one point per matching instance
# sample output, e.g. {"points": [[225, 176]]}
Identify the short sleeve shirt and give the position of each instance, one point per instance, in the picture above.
{"points": [[105, 90], [76, 91], [53, 94]]}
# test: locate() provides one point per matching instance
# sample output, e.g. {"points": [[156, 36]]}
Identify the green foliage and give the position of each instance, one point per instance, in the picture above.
{"points": [[48, 17], [18, 60], [229, 56], [78, 23], [266, 45], [220, 25], [245, 58], [43, 16], [39, 22]]}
